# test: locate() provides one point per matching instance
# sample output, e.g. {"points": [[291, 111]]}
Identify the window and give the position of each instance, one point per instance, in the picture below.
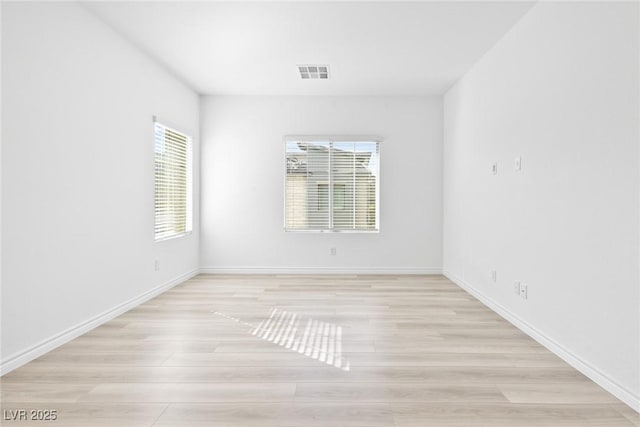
{"points": [[173, 182], [331, 185]]}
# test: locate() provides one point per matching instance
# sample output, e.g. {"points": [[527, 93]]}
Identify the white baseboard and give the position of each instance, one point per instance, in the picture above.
{"points": [[320, 270], [16, 360], [597, 376]]}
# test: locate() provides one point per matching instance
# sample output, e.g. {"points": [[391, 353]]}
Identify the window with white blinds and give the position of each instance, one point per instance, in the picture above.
{"points": [[332, 185], [173, 182]]}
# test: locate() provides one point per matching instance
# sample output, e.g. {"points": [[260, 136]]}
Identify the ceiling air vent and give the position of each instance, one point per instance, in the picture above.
{"points": [[314, 71]]}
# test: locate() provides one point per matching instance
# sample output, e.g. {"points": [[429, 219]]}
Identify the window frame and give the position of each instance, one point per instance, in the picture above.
{"points": [[332, 139], [189, 181]]}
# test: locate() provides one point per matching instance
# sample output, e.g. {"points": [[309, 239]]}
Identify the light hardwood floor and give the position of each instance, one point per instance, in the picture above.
{"points": [[293, 351]]}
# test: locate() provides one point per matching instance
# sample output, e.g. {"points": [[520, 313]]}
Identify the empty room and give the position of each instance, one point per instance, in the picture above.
{"points": [[320, 213]]}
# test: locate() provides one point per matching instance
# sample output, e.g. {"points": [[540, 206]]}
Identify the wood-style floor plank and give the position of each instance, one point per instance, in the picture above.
{"points": [[297, 350]]}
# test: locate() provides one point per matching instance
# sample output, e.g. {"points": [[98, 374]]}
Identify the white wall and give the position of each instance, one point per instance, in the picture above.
{"points": [[243, 183], [77, 175], [561, 90]]}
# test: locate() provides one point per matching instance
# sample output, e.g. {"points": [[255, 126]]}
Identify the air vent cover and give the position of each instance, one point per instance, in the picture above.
{"points": [[314, 71]]}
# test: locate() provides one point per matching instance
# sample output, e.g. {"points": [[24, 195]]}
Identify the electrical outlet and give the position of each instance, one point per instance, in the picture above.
{"points": [[523, 290], [156, 265], [516, 287], [494, 276], [333, 251]]}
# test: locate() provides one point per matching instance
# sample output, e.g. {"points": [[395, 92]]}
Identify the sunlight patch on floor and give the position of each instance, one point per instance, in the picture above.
{"points": [[321, 341]]}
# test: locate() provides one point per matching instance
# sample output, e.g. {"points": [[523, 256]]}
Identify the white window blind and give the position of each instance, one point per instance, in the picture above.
{"points": [[332, 185], [173, 183]]}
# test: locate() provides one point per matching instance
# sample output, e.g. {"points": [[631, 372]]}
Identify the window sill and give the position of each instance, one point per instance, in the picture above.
{"points": [[333, 231], [175, 236]]}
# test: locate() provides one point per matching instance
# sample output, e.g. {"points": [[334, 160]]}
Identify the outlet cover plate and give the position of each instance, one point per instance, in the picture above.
{"points": [[523, 291], [516, 288]]}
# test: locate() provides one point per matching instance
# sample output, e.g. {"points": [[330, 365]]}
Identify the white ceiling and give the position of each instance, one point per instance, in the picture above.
{"points": [[373, 48]]}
